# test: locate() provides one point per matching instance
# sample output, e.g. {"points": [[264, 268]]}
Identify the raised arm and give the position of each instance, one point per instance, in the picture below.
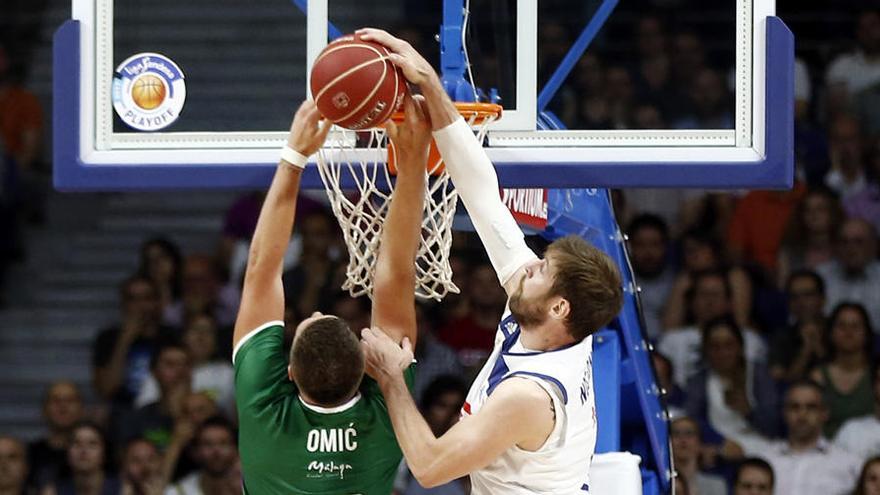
{"points": [[262, 298], [467, 163], [394, 283]]}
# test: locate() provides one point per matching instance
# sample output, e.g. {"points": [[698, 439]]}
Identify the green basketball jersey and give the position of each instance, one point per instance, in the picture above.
{"points": [[289, 447]]}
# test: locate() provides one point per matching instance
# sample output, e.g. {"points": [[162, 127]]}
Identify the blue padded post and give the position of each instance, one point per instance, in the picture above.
{"points": [[606, 386], [574, 53], [453, 63]]}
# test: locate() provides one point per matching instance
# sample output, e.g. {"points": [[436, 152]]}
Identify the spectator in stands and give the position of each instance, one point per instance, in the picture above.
{"points": [[684, 434], [799, 346], [313, 277], [13, 467], [735, 398], [866, 204], [21, 130], [209, 374], [854, 274], [869, 479], [847, 174], [651, 40], [688, 59], [87, 457], [473, 336], [810, 141], [754, 476], [664, 373], [620, 95], [217, 456], [554, 39], [584, 107], [141, 470], [435, 358], [652, 71], [710, 102], [155, 421], [162, 263], [805, 462], [440, 405], [62, 410], [649, 253], [204, 292], [701, 251], [809, 238], [121, 354], [709, 298], [861, 436], [179, 457], [846, 376], [756, 229], [855, 71]]}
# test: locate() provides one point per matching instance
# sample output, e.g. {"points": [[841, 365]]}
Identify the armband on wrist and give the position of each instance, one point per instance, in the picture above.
{"points": [[293, 158]]}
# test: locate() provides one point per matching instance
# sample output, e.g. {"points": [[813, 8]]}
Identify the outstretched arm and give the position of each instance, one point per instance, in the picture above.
{"points": [[518, 413], [467, 163], [262, 298], [394, 283]]}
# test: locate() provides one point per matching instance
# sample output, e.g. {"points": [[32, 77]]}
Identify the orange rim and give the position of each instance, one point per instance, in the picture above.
{"points": [[479, 112]]}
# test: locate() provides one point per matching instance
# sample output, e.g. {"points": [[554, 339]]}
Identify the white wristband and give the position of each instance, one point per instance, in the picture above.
{"points": [[294, 157]]}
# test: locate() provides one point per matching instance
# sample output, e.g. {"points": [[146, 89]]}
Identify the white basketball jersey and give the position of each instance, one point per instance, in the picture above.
{"points": [[561, 466]]}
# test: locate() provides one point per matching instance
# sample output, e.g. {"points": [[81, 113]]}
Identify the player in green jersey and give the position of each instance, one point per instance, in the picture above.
{"points": [[317, 425]]}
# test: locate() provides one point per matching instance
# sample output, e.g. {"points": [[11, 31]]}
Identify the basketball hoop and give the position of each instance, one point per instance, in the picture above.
{"points": [[361, 215]]}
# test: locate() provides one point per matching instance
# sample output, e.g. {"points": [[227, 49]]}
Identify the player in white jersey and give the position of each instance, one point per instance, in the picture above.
{"points": [[529, 423]]}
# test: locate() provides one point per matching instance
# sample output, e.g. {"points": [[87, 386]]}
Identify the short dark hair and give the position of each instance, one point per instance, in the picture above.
{"points": [[164, 346], [590, 280], [757, 463], [723, 321], [698, 277], [327, 361], [805, 273], [648, 221], [806, 383], [217, 422], [441, 385]]}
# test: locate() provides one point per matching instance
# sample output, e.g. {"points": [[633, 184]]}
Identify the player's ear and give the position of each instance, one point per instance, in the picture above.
{"points": [[559, 308], [290, 373]]}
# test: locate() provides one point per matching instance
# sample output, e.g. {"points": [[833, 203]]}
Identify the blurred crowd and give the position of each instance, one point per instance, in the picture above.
{"points": [[762, 306]]}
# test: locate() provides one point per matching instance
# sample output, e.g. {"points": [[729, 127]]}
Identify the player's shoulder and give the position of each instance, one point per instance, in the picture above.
{"points": [[519, 391], [267, 333]]}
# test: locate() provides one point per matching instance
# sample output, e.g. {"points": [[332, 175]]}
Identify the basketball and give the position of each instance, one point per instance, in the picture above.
{"points": [[355, 85], [148, 92]]}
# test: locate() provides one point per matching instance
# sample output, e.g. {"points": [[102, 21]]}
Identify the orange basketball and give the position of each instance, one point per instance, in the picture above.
{"points": [[355, 85], [148, 91]]}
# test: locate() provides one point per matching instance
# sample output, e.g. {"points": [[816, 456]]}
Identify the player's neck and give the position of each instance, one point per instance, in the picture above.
{"points": [[546, 336]]}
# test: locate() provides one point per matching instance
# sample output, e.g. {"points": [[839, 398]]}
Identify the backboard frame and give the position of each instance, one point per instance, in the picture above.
{"points": [[87, 158]]}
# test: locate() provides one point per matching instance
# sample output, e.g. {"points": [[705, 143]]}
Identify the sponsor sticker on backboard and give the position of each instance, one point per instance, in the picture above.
{"points": [[529, 206], [148, 91]]}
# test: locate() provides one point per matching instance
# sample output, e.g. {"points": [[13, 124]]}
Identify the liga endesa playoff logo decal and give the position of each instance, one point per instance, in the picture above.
{"points": [[148, 91]]}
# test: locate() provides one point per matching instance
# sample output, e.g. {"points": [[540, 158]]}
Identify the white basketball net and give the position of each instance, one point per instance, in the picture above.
{"points": [[361, 212]]}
